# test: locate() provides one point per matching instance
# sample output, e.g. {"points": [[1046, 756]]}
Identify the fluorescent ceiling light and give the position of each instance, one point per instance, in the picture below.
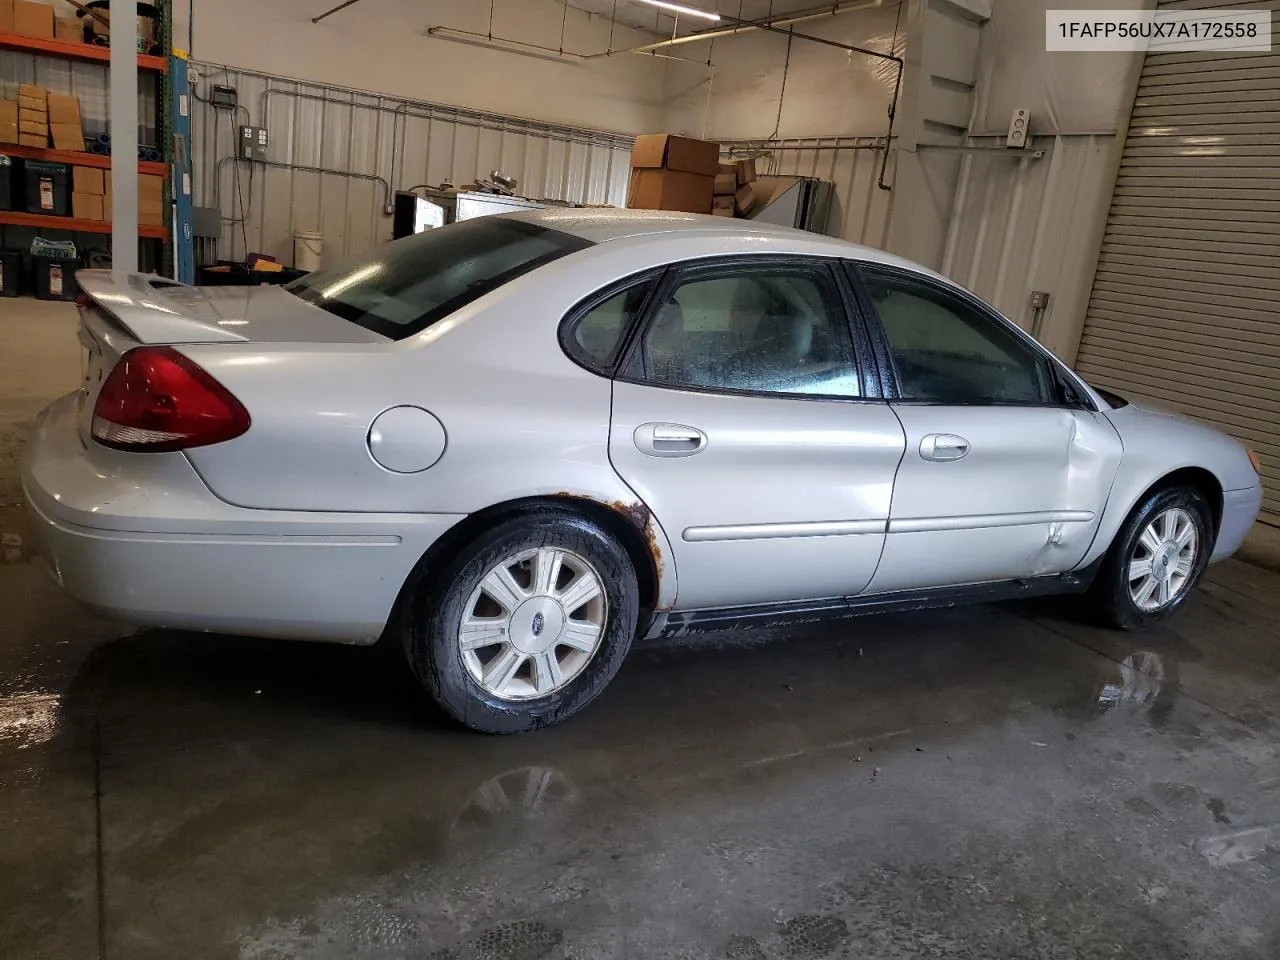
{"points": [[680, 8]]}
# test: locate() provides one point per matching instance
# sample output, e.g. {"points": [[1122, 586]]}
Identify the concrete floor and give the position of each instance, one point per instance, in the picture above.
{"points": [[990, 782]]}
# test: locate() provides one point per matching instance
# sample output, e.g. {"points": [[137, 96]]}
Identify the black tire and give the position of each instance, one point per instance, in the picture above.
{"points": [[1109, 594], [431, 639]]}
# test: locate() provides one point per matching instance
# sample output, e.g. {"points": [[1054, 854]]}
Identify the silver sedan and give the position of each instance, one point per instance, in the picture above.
{"points": [[518, 444]]}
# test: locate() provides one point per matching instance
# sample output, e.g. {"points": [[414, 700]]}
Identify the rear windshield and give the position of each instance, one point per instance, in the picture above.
{"points": [[405, 286]]}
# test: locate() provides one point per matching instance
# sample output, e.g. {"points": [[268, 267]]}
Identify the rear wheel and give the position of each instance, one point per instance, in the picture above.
{"points": [[528, 624], [1156, 559]]}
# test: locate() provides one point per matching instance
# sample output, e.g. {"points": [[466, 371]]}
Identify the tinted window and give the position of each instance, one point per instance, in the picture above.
{"points": [[405, 286], [765, 330], [596, 337], [948, 351]]}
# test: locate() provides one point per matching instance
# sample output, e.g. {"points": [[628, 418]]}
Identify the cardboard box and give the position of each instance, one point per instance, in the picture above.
{"points": [[33, 127], [6, 16], [746, 171], [746, 200], [106, 199], [726, 184], [63, 109], [683, 154], [87, 206], [150, 188], [89, 180], [30, 140], [68, 29], [151, 213], [30, 105], [670, 190], [33, 19], [67, 136], [723, 207], [9, 111], [31, 91], [9, 132]]}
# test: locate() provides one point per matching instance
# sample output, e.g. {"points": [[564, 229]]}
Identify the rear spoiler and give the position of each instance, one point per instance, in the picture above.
{"points": [[137, 302]]}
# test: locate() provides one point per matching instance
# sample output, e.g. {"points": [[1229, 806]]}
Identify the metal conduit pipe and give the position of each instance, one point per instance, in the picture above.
{"points": [[802, 17], [461, 116], [456, 115], [217, 176]]}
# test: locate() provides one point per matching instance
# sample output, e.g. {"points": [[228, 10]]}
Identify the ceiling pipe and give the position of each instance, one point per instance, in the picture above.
{"points": [[746, 26], [330, 13], [503, 44]]}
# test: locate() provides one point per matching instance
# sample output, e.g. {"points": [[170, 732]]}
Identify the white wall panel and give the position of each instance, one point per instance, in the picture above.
{"points": [[369, 146], [1021, 224]]}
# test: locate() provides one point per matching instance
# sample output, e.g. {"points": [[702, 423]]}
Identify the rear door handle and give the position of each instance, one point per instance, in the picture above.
{"points": [[941, 447], [669, 440]]}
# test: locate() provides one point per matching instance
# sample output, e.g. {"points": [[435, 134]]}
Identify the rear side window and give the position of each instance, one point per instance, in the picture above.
{"points": [[405, 286]]}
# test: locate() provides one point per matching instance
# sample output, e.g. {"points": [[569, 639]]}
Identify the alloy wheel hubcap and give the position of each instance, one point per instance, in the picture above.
{"points": [[533, 624], [1163, 560]]}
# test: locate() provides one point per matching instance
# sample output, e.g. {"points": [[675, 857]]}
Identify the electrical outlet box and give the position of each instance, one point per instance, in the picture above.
{"points": [[253, 143], [1039, 300], [1019, 129], [224, 98]]}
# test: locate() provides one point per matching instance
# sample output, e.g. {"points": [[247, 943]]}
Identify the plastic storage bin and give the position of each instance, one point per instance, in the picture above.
{"points": [[8, 183], [56, 278], [47, 188], [10, 273]]}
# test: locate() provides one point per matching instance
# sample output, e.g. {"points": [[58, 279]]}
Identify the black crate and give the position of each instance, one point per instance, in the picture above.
{"points": [[56, 278], [10, 273], [8, 183], [47, 188]]}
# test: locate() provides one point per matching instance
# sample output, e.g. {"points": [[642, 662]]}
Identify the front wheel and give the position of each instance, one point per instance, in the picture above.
{"points": [[1156, 559], [528, 624]]}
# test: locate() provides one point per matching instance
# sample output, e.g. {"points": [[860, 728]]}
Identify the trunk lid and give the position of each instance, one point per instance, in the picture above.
{"points": [[121, 311], [158, 311]]}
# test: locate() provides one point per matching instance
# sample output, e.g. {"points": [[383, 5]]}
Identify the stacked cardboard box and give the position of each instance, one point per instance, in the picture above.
{"points": [[67, 29], [8, 120], [88, 193], [33, 115], [64, 122], [673, 173], [151, 201], [30, 19]]}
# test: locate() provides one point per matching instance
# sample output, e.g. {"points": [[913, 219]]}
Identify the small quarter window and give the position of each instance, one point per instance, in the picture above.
{"points": [[597, 336]]}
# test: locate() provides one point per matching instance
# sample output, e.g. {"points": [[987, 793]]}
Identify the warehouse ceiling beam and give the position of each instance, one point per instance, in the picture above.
{"points": [[339, 7]]}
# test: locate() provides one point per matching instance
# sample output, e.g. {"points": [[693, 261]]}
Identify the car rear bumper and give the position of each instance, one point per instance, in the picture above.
{"points": [[1239, 511], [141, 537]]}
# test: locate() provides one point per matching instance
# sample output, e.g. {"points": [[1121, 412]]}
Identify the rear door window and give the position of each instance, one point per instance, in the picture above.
{"points": [[405, 286]]}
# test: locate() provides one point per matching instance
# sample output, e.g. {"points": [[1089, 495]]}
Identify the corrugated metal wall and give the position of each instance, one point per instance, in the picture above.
{"points": [[860, 209], [371, 146], [1021, 224]]}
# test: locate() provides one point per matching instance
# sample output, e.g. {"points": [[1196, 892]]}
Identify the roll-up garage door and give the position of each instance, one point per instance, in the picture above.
{"points": [[1185, 307]]}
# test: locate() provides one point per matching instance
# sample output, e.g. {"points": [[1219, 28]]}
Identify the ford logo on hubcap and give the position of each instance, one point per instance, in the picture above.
{"points": [[537, 624]]}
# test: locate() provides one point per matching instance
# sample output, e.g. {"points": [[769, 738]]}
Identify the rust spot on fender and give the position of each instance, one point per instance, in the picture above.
{"points": [[640, 518]]}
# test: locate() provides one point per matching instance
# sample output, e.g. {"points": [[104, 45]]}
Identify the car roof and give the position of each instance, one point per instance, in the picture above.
{"points": [[600, 225]]}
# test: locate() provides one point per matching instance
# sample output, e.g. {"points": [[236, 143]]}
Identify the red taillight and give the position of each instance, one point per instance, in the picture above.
{"points": [[83, 302], [156, 400]]}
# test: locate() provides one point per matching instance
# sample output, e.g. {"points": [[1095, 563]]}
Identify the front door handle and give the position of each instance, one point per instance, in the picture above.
{"points": [[941, 447], [669, 440]]}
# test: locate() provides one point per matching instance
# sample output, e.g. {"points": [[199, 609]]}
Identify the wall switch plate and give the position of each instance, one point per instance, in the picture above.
{"points": [[1039, 300], [253, 143]]}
